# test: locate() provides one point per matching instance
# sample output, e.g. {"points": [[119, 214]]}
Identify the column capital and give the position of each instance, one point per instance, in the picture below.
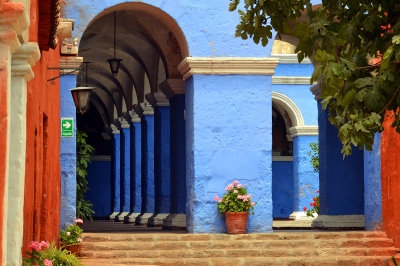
{"points": [[14, 20], [172, 87], [124, 123], [65, 28], [147, 108], [115, 129], [23, 59], [157, 99], [227, 66], [70, 62], [303, 131], [317, 89], [135, 118]]}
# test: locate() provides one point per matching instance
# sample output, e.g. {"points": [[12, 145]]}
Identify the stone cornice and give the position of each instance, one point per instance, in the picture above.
{"points": [[172, 87], [157, 99], [282, 158], [16, 15], [290, 59], [316, 90], [227, 66], [24, 58], [291, 80], [65, 27], [124, 123], [70, 62], [115, 129], [135, 118], [303, 131]]}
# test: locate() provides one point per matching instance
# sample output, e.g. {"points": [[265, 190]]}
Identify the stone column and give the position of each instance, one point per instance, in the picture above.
{"points": [[148, 189], [116, 172], [373, 186], [68, 144], [125, 186], [228, 137], [306, 181], [22, 60], [175, 90], [341, 180], [136, 168], [162, 160]]}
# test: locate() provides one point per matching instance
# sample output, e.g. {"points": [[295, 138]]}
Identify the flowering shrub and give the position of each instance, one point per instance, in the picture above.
{"points": [[315, 206], [35, 257], [235, 200], [72, 234]]}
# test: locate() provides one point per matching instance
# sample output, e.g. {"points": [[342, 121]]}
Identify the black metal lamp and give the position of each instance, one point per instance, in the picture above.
{"points": [[114, 62], [81, 95]]}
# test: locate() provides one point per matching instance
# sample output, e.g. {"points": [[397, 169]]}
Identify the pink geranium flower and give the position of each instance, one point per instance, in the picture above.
{"points": [[235, 182], [216, 198], [239, 186], [79, 239], [252, 203], [36, 246], [48, 262], [78, 221], [44, 244], [235, 191]]}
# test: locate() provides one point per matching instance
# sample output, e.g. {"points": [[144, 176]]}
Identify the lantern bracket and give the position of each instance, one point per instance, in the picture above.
{"points": [[63, 68]]}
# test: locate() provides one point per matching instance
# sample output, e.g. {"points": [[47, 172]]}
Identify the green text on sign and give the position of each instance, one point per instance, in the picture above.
{"points": [[67, 127]]}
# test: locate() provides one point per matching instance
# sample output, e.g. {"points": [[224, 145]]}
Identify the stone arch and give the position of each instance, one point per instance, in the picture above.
{"points": [[285, 105]]}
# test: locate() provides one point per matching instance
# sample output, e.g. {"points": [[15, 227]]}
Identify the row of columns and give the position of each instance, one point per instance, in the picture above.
{"points": [[148, 163]]}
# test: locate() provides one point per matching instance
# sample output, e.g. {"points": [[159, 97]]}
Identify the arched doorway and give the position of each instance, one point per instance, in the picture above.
{"points": [[136, 118]]}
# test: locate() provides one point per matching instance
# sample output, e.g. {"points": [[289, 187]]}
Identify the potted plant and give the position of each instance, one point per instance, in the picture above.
{"points": [[236, 204], [44, 254], [71, 237]]}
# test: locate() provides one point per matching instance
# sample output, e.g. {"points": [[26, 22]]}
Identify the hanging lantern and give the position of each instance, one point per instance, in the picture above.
{"points": [[81, 96], [114, 62]]}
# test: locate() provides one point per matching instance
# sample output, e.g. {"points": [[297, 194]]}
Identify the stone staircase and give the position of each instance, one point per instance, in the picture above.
{"points": [[299, 248]]}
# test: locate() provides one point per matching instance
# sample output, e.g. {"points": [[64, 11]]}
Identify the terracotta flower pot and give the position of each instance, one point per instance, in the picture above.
{"points": [[74, 249], [236, 222]]}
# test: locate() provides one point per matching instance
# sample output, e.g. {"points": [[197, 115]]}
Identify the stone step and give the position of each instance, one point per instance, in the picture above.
{"points": [[238, 244], [244, 261], [98, 237], [238, 253]]}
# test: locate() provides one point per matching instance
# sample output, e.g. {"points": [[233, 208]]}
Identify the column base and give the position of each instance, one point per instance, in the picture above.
{"points": [[112, 215], [120, 216], [302, 216], [157, 219], [339, 221], [175, 220], [143, 218], [131, 218]]}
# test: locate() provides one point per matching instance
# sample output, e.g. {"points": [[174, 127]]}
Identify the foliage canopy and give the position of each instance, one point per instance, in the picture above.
{"points": [[355, 46]]}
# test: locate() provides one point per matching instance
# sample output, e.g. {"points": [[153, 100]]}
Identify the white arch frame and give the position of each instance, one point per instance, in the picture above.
{"points": [[285, 103]]}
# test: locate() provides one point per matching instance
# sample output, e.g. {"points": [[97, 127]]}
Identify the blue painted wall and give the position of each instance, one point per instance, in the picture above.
{"points": [[208, 25], [294, 70], [306, 181], [136, 169], [116, 173], [162, 159], [372, 186], [282, 189], [125, 185], [228, 139], [148, 189], [67, 154], [99, 183], [341, 181], [178, 155]]}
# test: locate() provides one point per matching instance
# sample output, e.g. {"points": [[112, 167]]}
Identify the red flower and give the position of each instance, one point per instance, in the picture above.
{"points": [[311, 204], [317, 191], [304, 209], [386, 14], [314, 199], [318, 205]]}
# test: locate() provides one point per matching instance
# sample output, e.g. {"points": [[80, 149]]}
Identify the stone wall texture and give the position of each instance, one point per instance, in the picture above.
{"points": [[390, 146], [42, 179]]}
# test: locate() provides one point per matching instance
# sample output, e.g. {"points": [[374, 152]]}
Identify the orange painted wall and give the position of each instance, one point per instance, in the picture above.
{"points": [[390, 169], [42, 178]]}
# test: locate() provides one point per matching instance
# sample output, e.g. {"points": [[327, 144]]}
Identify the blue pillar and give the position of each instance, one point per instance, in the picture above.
{"points": [[341, 180], [306, 181], [162, 159], [125, 185], [228, 137], [68, 154], [116, 172], [148, 188], [136, 169], [372, 186]]}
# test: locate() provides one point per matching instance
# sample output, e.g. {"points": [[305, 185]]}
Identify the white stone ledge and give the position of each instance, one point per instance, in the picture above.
{"points": [[291, 80], [282, 158], [290, 59], [303, 131], [227, 66]]}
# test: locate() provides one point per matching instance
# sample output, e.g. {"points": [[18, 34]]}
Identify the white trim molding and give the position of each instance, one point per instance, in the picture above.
{"points": [[290, 59], [291, 80], [303, 131], [339, 221], [227, 66], [290, 107], [70, 62]]}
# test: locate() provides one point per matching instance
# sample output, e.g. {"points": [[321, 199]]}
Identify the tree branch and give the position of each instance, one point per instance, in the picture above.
{"points": [[391, 100]]}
